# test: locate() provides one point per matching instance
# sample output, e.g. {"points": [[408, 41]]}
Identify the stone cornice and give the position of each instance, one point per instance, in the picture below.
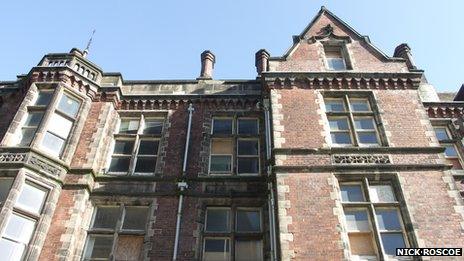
{"points": [[342, 80], [360, 150], [444, 109], [360, 167]]}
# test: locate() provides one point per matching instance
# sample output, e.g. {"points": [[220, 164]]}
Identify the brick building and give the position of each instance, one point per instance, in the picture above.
{"points": [[336, 151]]}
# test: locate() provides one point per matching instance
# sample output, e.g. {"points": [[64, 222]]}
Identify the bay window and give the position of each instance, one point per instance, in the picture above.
{"points": [[22, 222]]}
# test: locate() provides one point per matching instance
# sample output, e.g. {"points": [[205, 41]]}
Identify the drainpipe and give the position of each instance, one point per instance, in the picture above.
{"points": [[270, 184], [182, 185]]}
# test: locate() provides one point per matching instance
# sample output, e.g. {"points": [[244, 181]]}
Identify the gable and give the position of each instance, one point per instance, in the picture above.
{"points": [[307, 51]]}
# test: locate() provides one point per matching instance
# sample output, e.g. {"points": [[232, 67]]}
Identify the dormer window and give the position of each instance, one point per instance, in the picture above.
{"points": [[334, 57]]}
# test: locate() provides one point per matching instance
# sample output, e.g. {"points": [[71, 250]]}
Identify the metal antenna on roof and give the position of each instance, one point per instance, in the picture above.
{"points": [[86, 51]]}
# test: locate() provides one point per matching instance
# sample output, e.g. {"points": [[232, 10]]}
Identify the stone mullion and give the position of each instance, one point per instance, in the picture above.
{"points": [[351, 121], [375, 227]]}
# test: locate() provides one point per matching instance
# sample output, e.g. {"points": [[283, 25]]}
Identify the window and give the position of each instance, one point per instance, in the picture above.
{"points": [[351, 121], [373, 219], [5, 185], [234, 140], [35, 113], [136, 146], [60, 125], [445, 138], [334, 58], [232, 234], [22, 222], [116, 231]]}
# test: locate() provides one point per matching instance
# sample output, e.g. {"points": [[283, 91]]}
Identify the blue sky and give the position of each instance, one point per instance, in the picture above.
{"points": [[164, 39]]}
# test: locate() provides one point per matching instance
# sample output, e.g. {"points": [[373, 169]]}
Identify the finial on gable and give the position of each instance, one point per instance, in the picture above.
{"points": [[86, 51]]}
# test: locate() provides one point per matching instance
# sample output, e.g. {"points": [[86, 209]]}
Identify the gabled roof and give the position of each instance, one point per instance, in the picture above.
{"points": [[324, 10]]}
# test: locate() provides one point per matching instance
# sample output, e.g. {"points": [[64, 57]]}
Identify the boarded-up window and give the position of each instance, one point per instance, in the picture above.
{"points": [[129, 248]]}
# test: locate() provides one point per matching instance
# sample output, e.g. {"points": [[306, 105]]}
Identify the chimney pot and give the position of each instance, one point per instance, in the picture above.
{"points": [[404, 51], [207, 64], [261, 61]]}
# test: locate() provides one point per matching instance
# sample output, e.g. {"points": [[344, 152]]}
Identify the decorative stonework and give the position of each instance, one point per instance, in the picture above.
{"points": [[32, 160], [361, 159], [43, 165], [12, 157]]}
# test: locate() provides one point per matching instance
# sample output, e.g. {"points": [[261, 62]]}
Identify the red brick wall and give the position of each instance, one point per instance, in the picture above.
{"points": [[433, 209], [58, 226], [86, 138], [314, 226], [302, 128], [403, 112]]}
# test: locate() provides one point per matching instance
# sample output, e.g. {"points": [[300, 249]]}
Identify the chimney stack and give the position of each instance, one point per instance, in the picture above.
{"points": [[261, 60], [403, 51], [207, 65]]}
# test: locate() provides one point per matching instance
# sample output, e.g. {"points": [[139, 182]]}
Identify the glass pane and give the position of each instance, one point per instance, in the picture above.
{"points": [[222, 126], [336, 64], [135, 218], [148, 147], [357, 220], [248, 250], [129, 248], [381, 193], [248, 147], [364, 123], [19, 228], [33, 118], [53, 144], [334, 105], [248, 126], [361, 244], [368, 137], [450, 151], [44, 98], [388, 219], [220, 163], [68, 105], [145, 164], [392, 241], [129, 126], [359, 105], [248, 165], [27, 135], [98, 247], [106, 217], [153, 126], [216, 250], [5, 185], [217, 220], [248, 221], [441, 133], [341, 138], [60, 125], [352, 193], [338, 124], [222, 147], [119, 164], [31, 198], [11, 251], [123, 147]]}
